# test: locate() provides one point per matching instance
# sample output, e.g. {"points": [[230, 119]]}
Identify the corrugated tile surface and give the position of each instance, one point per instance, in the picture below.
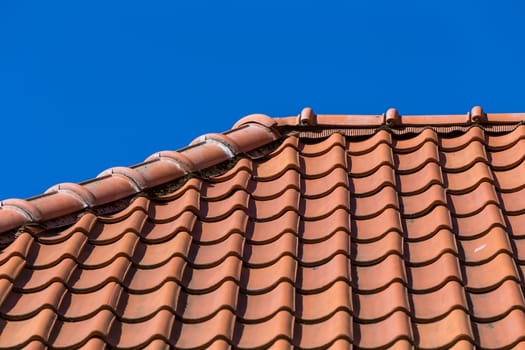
{"points": [[373, 242]]}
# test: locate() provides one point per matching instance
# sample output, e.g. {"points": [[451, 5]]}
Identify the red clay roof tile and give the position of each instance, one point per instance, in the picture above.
{"points": [[310, 231]]}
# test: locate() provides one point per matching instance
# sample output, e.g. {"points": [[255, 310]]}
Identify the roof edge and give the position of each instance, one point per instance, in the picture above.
{"points": [[393, 118], [121, 182], [249, 133]]}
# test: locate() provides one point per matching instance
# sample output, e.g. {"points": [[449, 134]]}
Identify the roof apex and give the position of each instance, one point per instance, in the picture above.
{"points": [[249, 133]]}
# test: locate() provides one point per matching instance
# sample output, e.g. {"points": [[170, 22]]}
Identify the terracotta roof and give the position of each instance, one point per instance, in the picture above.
{"points": [[308, 231]]}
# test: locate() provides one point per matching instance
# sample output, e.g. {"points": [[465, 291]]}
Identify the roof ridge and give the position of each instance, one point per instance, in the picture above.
{"points": [[391, 118], [249, 133], [121, 182]]}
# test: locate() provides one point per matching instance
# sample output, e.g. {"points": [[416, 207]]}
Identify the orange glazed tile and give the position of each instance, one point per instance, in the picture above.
{"points": [[260, 280], [207, 279], [106, 232], [413, 143], [519, 245], [274, 167], [488, 275], [434, 305], [368, 253], [161, 231], [499, 142], [197, 307], [38, 345], [321, 207], [21, 305], [508, 158], [371, 229], [99, 255], [12, 268], [462, 344], [510, 180], [444, 332], [34, 280], [258, 255], [87, 279], [368, 279], [263, 190], [516, 225], [6, 287], [76, 306], [216, 191], [508, 295], [264, 334], [384, 333], [418, 204], [365, 146], [127, 335], [151, 255], [370, 307], [138, 306], [206, 256], [309, 232], [320, 229], [259, 307], [322, 251], [410, 162], [504, 333], [462, 159], [467, 180], [312, 307], [221, 209], [71, 334], [214, 231], [461, 141], [44, 255], [371, 206], [362, 165], [429, 277], [420, 180], [367, 185], [480, 222], [312, 279], [422, 227], [21, 247], [466, 204], [495, 241], [270, 209], [315, 167], [164, 211], [199, 335], [21, 332], [424, 252], [513, 202], [322, 147], [320, 334], [319, 187], [85, 224]]}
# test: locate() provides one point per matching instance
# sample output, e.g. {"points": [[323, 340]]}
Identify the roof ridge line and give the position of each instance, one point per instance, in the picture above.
{"points": [[121, 182], [392, 118], [249, 133]]}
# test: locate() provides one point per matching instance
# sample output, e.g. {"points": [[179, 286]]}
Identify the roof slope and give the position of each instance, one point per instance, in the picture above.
{"points": [[308, 231]]}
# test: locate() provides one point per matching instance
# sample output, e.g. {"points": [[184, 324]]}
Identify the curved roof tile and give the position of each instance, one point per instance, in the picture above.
{"points": [[308, 231]]}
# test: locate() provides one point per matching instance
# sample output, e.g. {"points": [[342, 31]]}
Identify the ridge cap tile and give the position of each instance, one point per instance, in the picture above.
{"points": [[310, 231]]}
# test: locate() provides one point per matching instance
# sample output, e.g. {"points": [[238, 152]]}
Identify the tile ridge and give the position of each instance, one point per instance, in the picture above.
{"points": [[392, 119], [117, 183], [249, 133]]}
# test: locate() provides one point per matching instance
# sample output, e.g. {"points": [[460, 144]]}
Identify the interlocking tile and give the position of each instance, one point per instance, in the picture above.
{"points": [[311, 232]]}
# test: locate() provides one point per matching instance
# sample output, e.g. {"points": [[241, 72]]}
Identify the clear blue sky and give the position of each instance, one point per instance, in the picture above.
{"points": [[88, 85]]}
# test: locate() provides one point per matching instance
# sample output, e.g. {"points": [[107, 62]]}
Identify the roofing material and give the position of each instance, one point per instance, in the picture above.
{"points": [[309, 231]]}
